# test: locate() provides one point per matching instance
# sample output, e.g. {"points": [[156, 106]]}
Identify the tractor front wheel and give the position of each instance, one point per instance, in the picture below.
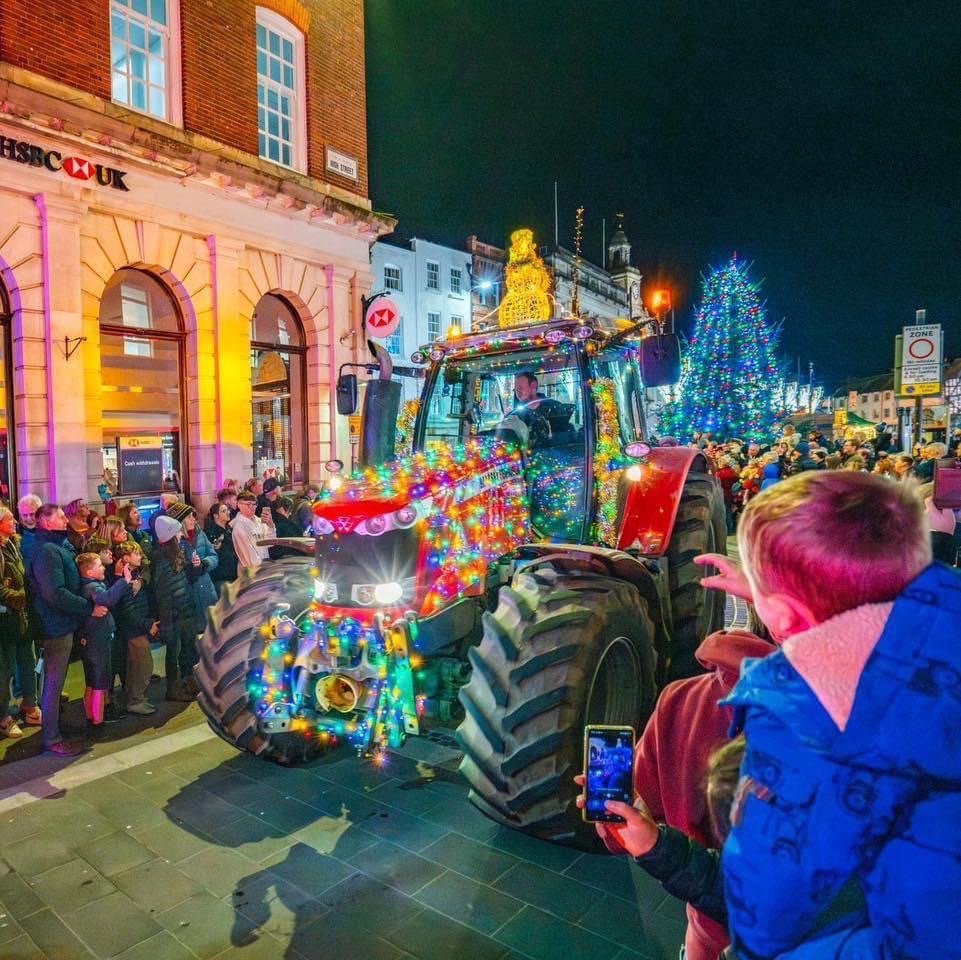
{"points": [[560, 651], [700, 527]]}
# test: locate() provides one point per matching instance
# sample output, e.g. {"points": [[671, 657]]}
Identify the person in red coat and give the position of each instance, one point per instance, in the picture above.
{"points": [[687, 726]]}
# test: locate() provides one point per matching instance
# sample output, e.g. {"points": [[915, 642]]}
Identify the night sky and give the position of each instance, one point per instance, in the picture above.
{"points": [[821, 141]]}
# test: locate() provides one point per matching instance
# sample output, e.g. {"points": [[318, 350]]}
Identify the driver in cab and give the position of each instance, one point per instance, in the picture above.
{"points": [[529, 399]]}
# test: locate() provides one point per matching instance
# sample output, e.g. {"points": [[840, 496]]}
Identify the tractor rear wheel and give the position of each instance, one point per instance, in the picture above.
{"points": [[231, 648], [700, 527], [560, 651]]}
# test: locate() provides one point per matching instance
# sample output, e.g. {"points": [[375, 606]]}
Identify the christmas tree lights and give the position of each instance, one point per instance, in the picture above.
{"points": [[730, 373]]}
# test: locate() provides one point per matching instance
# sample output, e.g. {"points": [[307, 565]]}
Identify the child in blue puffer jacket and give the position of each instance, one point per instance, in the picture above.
{"points": [[852, 774]]}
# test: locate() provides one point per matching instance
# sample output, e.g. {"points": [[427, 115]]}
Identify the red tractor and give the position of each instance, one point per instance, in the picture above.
{"points": [[521, 561]]}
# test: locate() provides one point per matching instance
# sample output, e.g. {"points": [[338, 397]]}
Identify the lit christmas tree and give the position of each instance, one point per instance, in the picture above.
{"points": [[730, 374]]}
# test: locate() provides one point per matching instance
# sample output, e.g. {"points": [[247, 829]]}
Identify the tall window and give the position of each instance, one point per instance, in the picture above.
{"points": [[278, 360], [394, 346], [433, 326], [433, 275], [281, 91], [455, 280], [141, 370], [7, 456], [145, 57], [393, 278]]}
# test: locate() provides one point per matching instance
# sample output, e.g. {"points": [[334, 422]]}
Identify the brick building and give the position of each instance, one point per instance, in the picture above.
{"points": [[184, 242]]}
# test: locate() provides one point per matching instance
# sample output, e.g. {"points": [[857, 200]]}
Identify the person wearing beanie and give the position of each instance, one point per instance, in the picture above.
{"points": [[201, 555], [172, 577]]}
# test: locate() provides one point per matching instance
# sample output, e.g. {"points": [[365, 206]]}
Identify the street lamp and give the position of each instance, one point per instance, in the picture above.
{"points": [[660, 304]]}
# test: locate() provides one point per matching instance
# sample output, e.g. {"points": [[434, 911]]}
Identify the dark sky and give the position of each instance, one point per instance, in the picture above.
{"points": [[822, 141]]}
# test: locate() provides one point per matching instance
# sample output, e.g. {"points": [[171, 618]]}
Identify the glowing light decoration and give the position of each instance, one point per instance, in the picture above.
{"points": [[527, 282], [405, 428], [607, 462], [730, 375]]}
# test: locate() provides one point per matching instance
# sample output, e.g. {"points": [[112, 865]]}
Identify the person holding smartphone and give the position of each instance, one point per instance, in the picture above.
{"points": [[248, 529]]}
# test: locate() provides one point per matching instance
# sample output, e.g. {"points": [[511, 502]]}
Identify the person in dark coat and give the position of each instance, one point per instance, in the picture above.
{"points": [[175, 608], [196, 548], [221, 538], [16, 641], [97, 633], [55, 585], [136, 627]]}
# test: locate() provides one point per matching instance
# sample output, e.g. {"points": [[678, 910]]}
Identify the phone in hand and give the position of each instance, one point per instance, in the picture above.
{"points": [[947, 484], [608, 770]]}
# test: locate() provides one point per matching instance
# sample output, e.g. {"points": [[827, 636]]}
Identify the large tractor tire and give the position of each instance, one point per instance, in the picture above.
{"points": [[700, 527], [231, 648], [561, 650]]}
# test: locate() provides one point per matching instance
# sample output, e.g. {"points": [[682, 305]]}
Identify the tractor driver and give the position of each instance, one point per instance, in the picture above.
{"points": [[529, 398]]}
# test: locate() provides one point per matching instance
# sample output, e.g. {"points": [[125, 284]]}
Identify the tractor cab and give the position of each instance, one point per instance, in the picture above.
{"points": [[537, 387]]}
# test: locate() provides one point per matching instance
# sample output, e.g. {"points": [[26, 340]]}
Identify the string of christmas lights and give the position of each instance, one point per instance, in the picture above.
{"points": [[730, 375]]}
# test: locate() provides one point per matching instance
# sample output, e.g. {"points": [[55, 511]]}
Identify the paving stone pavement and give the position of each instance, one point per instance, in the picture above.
{"points": [[206, 853]]}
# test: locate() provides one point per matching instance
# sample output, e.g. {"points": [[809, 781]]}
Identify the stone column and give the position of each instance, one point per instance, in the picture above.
{"points": [[71, 460], [232, 362]]}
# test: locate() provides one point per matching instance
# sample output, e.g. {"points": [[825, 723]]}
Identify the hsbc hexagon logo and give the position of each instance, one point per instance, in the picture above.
{"points": [[383, 318], [78, 169]]}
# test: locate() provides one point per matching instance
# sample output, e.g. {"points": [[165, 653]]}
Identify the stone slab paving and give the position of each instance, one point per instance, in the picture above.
{"points": [[205, 853]]}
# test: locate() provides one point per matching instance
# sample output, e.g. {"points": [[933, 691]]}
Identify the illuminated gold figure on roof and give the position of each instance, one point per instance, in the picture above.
{"points": [[527, 282]]}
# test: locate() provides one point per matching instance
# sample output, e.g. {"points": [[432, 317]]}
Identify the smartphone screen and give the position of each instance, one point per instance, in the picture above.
{"points": [[608, 768]]}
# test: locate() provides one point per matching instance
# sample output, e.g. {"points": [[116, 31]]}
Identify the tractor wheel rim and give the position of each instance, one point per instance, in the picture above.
{"points": [[614, 696]]}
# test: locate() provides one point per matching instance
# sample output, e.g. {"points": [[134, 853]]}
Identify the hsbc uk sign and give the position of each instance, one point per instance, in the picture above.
{"points": [[29, 153]]}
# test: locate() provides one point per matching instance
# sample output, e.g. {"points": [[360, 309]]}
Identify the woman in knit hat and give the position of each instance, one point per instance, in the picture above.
{"points": [[172, 577]]}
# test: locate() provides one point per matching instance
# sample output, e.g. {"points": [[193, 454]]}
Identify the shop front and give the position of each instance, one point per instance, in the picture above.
{"points": [[173, 332]]}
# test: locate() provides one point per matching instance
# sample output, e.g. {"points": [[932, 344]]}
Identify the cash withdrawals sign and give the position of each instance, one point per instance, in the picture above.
{"points": [[921, 360], [140, 464]]}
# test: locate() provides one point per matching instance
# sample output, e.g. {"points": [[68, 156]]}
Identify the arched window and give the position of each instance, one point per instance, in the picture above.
{"points": [[142, 369], [278, 360], [8, 460]]}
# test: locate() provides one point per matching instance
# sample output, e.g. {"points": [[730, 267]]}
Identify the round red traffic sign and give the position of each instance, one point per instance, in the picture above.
{"points": [[921, 349], [383, 318]]}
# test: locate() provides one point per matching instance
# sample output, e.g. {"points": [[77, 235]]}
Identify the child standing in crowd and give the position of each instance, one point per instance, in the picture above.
{"points": [[672, 758], [175, 608], [853, 765], [136, 627], [97, 633]]}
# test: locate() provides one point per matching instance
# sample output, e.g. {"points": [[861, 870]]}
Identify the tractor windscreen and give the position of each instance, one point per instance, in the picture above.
{"points": [[533, 398], [533, 394]]}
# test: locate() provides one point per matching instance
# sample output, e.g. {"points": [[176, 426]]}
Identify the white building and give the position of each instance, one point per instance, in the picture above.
{"points": [[431, 285]]}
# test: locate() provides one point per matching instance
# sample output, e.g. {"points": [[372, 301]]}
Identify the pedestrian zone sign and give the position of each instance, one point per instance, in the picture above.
{"points": [[921, 361]]}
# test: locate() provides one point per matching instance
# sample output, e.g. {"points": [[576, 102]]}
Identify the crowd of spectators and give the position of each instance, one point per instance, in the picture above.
{"points": [[75, 584], [745, 468]]}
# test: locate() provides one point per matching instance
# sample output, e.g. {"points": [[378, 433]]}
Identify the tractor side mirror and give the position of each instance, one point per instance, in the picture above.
{"points": [[661, 360], [347, 394]]}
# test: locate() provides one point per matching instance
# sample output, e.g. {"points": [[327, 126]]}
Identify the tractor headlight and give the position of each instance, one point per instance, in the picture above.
{"points": [[405, 517], [325, 592], [387, 594], [322, 527], [375, 526]]}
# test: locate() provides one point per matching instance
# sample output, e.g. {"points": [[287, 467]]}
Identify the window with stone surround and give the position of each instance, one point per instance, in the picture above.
{"points": [[145, 57], [281, 91]]}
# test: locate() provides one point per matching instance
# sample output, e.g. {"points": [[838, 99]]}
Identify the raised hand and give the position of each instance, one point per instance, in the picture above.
{"points": [[729, 578]]}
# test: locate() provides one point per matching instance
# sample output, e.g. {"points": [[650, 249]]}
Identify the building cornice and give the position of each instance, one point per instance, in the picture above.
{"points": [[36, 103]]}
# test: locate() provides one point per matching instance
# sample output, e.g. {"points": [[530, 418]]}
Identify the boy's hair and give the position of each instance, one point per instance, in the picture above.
{"points": [[246, 497], [86, 560], [224, 495], [723, 773], [131, 546], [835, 539]]}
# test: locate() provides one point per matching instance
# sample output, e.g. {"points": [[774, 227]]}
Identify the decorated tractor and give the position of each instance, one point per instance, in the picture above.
{"points": [[513, 558]]}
